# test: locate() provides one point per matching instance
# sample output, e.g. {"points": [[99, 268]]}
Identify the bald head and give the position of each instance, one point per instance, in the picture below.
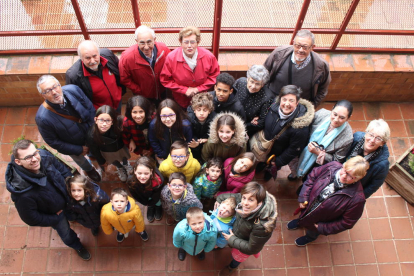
{"points": [[88, 52]]}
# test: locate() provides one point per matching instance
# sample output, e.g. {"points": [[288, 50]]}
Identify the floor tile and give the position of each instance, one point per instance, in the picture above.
{"points": [[407, 110], [30, 115], [15, 237], [5, 149], [385, 251], [389, 269], [32, 133], [397, 206], [358, 112], [252, 263], [59, 260], [126, 263], [372, 111], [376, 208], [358, 125], [363, 252], [319, 254], [107, 259], [297, 271], [277, 235], [208, 263], [251, 272], [156, 234], [4, 212], [287, 208], [14, 218], [78, 264], [289, 236], [401, 228], [152, 254], [410, 128], [391, 111], [275, 272], [397, 129], [405, 250], [360, 231], [16, 116], [399, 146], [3, 114], [173, 264], [11, 261], [344, 270], [363, 270], [35, 260], [407, 269], [341, 253], [380, 228], [11, 132], [295, 256], [321, 271], [340, 237], [4, 194], [38, 237], [273, 257]]}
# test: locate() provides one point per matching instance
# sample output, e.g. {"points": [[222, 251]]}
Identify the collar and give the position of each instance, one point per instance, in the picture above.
{"points": [[304, 63], [86, 73]]}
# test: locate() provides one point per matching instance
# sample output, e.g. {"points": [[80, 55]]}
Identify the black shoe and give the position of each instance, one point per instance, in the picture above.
{"points": [[150, 213], [84, 254], [201, 256], [144, 235], [94, 175], [181, 254], [292, 178], [120, 237], [302, 241], [158, 212], [293, 224], [227, 271], [95, 231]]}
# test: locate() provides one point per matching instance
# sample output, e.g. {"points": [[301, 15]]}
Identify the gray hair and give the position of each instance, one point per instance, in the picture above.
{"points": [[305, 34], [42, 79], [87, 43], [290, 89], [381, 128], [143, 29], [258, 73]]}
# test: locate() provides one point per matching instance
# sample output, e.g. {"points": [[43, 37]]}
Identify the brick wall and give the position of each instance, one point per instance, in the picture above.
{"points": [[356, 77]]}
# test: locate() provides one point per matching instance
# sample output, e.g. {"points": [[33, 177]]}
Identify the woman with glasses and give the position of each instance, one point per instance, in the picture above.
{"points": [[189, 69], [331, 200], [371, 145]]}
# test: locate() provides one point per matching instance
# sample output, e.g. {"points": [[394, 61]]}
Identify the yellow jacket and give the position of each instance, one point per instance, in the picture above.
{"points": [[190, 169], [122, 222]]}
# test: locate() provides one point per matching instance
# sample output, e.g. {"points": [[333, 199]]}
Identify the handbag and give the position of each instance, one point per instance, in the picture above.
{"points": [[260, 146]]}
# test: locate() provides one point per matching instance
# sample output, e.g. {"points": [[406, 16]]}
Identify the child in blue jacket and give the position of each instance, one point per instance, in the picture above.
{"points": [[223, 218]]}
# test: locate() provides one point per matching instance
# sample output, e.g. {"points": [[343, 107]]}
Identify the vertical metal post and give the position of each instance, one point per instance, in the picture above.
{"points": [[218, 11], [301, 18], [135, 11], [81, 21], [344, 23]]}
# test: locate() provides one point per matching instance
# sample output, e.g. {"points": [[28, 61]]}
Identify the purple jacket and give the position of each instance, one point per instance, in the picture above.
{"points": [[337, 213]]}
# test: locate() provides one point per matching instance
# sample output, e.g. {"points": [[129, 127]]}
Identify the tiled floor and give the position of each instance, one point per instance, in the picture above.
{"points": [[381, 243]]}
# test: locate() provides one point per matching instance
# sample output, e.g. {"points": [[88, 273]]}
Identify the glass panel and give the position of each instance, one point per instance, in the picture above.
{"points": [[326, 14], [40, 42], [377, 41]]}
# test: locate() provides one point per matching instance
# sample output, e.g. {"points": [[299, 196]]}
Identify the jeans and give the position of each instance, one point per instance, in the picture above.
{"points": [[67, 235], [312, 235], [82, 162]]}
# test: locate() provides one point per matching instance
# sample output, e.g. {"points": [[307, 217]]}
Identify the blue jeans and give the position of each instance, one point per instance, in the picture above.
{"points": [[67, 235]]}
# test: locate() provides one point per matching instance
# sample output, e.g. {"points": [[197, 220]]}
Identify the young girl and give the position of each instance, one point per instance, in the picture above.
{"points": [[169, 125], [86, 201], [227, 137], [145, 186], [138, 114], [208, 181], [238, 172], [105, 141]]}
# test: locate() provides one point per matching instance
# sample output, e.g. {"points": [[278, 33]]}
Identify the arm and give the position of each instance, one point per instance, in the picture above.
{"points": [[178, 239], [106, 226], [378, 178], [211, 243], [154, 142], [211, 75], [126, 132], [138, 220], [167, 78], [263, 113], [298, 141], [197, 186], [188, 131], [340, 153], [28, 212], [308, 185], [207, 151], [323, 87], [126, 77], [257, 239]]}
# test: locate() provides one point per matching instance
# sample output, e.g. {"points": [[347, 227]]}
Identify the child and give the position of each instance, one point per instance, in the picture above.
{"points": [[86, 202], [200, 114], [208, 182], [195, 235], [138, 115], [180, 160], [105, 141], [224, 98], [223, 218], [145, 186], [123, 215], [227, 137], [238, 172], [177, 197], [169, 126]]}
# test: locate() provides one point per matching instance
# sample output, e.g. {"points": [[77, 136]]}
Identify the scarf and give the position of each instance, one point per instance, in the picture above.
{"points": [[330, 189], [239, 210], [192, 62], [284, 116], [359, 150]]}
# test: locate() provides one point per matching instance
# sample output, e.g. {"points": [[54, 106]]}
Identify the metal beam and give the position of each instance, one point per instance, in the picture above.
{"points": [[344, 23], [218, 11], [301, 18], [81, 21], [135, 11]]}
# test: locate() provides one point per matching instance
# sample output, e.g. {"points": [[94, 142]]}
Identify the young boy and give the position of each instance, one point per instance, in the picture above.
{"points": [[195, 235], [180, 160], [224, 98], [223, 218], [123, 214], [177, 197], [200, 113]]}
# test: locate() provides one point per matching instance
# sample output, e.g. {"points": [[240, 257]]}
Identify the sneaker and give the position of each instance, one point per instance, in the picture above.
{"points": [[128, 167], [95, 231], [181, 254], [302, 241], [158, 212], [291, 177], [150, 213], [120, 237], [94, 175], [201, 256], [122, 174], [293, 224], [144, 235], [227, 271], [84, 254], [170, 220]]}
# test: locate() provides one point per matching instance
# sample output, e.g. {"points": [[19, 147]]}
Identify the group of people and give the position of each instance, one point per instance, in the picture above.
{"points": [[201, 136]]}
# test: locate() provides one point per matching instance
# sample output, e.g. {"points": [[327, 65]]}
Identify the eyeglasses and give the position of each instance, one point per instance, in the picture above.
{"points": [[47, 91], [175, 186], [192, 42], [148, 42], [102, 121], [376, 138], [348, 175], [304, 47], [167, 116], [178, 157], [29, 158]]}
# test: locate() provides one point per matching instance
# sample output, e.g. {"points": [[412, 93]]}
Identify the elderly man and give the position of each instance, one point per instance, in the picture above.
{"points": [[97, 74], [299, 65], [64, 119], [36, 181], [140, 66]]}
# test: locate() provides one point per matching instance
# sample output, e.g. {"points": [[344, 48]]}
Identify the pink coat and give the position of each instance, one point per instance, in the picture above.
{"points": [[234, 184], [178, 76]]}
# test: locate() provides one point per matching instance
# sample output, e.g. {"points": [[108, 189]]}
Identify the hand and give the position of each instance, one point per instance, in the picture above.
{"points": [[255, 121], [191, 91], [202, 141], [146, 152], [313, 149], [159, 160], [85, 150], [316, 226], [132, 146], [58, 213], [216, 205], [193, 144], [302, 205], [228, 236]]}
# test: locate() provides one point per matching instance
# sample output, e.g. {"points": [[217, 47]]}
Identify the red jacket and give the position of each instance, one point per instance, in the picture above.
{"points": [[234, 184], [178, 76], [137, 74]]}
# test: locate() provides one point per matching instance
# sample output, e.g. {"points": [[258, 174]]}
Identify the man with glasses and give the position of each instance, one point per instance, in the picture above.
{"points": [[36, 181], [97, 74], [140, 65], [64, 120], [299, 65]]}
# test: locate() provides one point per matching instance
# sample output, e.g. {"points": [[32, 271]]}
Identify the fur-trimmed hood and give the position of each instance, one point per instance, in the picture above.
{"points": [[269, 213], [239, 137], [305, 119]]}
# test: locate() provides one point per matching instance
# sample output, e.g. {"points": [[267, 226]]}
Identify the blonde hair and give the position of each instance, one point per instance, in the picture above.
{"points": [[231, 201], [381, 128], [193, 212], [187, 31], [358, 165]]}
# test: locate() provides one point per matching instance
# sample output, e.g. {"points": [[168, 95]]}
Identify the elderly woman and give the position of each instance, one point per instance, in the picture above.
{"points": [[254, 97], [256, 213], [371, 145], [189, 69], [331, 137], [331, 199]]}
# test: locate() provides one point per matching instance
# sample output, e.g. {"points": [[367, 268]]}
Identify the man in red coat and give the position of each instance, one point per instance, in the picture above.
{"points": [[140, 67]]}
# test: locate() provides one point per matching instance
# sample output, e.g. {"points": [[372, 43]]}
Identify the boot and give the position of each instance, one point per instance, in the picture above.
{"points": [[150, 213], [158, 212], [94, 175]]}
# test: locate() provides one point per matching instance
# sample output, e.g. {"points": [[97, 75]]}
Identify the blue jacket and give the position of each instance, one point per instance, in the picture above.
{"points": [[162, 147], [205, 188], [378, 168], [88, 214], [38, 197], [222, 227], [192, 242], [64, 135]]}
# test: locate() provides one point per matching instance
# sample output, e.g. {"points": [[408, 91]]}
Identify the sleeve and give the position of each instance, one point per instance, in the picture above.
{"points": [[106, 226], [126, 132], [268, 64], [60, 167], [257, 239], [126, 77], [207, 151], [138, 220], [378, 178], [28, 212], [154, 142], [156, 195], [211, 75], [197, 186], [167, 78], [178, 239], [103, 198], [308, 185], [263, 113], [164, 168], [188, 131], [340, 152], [211, 243], [323, 86], [94, 149]]}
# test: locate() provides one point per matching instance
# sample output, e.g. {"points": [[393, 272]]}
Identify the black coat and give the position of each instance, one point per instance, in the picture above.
{"points": [[231, 105], [146, 197]]}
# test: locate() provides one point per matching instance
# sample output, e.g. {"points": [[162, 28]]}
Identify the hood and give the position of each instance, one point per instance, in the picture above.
{"points": [[18, 179], [267, 212], [305, 116], [193, 119], [239, 137], [230, 101]]}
